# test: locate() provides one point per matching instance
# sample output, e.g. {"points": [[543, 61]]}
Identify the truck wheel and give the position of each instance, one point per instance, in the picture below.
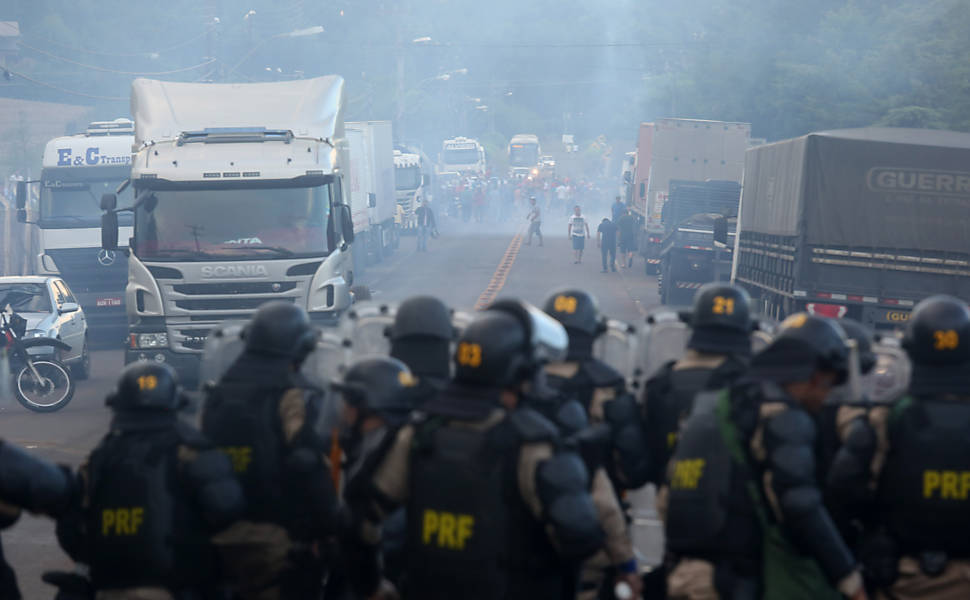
{"points": [[650, 268]]}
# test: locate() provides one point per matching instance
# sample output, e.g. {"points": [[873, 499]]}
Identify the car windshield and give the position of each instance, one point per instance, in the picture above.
{"points": [[463, 156], [523, 155], [25, 297], [407, 178], [72, 197], [232, 224]]}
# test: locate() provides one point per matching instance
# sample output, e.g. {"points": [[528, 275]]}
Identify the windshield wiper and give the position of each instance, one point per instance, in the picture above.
{"points": [[182, 252], [277, 249]]}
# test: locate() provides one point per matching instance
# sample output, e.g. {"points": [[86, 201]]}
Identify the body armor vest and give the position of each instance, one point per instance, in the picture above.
{"points": [[142, 527], [469, 534], [924, 491]]}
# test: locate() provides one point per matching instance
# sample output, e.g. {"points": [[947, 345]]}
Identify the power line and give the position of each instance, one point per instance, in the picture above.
{"points": [[105, 70], [66, 91], [125, 54]]}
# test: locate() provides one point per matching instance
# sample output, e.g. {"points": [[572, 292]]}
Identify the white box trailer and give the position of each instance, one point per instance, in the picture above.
{"points": [[373, 202], [690, 150]]}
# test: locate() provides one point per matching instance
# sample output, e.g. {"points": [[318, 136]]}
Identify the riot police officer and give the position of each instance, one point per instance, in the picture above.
{"points": [[34, 484], [597, 387], [744, 516], [916, 546], [718, 351], [421, 338], [262, 414], [487, 488], [150, 496]]}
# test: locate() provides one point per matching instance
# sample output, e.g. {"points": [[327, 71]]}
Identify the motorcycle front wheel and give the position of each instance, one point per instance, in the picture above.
{"points": [[51, 392]]}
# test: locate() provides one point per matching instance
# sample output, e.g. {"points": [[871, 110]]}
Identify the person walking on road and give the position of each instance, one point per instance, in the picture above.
{"points": [[618, 208], [606, 242], [627, 224], [535, 221], [425, 219], [578, 230]]}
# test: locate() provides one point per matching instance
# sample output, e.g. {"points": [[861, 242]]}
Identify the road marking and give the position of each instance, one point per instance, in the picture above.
{"points": [[501, 273]]}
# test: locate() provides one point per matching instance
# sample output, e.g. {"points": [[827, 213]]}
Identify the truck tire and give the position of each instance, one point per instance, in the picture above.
{"points": [[650, 269]]}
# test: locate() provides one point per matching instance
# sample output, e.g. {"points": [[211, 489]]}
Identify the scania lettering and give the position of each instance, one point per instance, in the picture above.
{"points": [[76, 171], [236, 203]]}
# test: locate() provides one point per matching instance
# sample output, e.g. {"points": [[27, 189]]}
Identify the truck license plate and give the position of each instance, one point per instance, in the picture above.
{"points": [[108, 302]]}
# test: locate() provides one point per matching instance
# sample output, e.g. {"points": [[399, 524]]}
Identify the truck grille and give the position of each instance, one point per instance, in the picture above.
{"points": [[84, 274], [225, 303], [195, 289]]}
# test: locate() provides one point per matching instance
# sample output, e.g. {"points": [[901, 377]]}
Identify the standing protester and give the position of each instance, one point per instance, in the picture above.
{"points": [[426, 225], [150, 497], [718, 352], [618, 209], [628, 237], [606, 241], [262, 414], [910, 460], [535, 221], [28, 482], [744, 515], [496, 509], [578, 231]]}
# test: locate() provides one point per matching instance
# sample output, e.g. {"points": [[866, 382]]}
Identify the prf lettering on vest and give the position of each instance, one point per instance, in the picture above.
{"points": [[446, 530], [240, 456], [687, 473], [122, 521], [946, 485]]}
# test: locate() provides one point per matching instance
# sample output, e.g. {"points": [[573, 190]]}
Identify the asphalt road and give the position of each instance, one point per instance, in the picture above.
{"points": [[462, 267]]}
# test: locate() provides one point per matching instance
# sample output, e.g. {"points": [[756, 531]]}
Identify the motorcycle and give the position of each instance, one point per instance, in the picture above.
{"points": [[40, 383]]}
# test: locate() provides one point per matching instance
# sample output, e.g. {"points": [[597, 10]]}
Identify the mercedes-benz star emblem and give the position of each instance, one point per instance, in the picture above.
{"points": [[106, 258]]}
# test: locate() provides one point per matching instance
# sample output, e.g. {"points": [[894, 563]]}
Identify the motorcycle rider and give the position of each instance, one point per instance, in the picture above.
{"points": [[718, 352], [744, 516], [262, 414], [911, 461], [28, 482], [495, 508], [421, 338], [149, 497]]}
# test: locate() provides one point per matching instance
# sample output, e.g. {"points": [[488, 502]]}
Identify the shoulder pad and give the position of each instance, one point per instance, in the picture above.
{"points": [[531, 426], [571, 417], [791, 426], [601, 374]]}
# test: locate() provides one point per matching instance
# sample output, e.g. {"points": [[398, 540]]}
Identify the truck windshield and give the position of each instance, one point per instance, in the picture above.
{"points": [[232, 224], [71, 198], [523, 155], [407, 178], [463, 156]]}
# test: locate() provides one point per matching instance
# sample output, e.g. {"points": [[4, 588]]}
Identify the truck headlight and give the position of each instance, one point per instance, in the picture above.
{"points": [[151, 340]]}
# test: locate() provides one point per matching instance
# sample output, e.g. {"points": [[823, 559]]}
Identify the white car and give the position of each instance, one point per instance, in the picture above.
{"points": [[51, 311]]}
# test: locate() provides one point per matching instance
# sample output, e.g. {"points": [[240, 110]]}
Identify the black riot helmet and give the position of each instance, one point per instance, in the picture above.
{"points": [[507, 344], [803, 344], [379, 386], [862, 336], [421, 336], [938, 333], [720, 320], [577, 310], [147, 386], [280, 329]]}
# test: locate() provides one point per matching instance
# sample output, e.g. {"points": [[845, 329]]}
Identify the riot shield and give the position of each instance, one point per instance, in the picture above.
{"points": [[663, 339], [222, 347], [364, 328], [617, 347]]}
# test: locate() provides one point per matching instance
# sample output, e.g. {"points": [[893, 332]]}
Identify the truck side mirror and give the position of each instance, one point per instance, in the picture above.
{"points": [[21, 215], [371, 200], [628, 177], [347, 224], [720, 231], [21, 195], [109, 231], [109, 201], [643, 189], [425, 179]]}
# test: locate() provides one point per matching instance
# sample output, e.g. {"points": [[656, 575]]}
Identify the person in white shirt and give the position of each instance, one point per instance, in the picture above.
{"points": [[535, 221], [578, 231]]}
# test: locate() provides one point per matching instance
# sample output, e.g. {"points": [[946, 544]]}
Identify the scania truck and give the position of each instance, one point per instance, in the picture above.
{"points": [[410, 186], [859, 223], [76, 171], [239, 198]]}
